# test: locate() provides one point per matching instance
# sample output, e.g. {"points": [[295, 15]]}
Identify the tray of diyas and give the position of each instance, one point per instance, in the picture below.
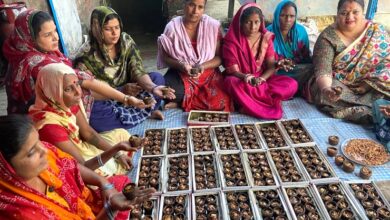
{"points": [[239, 205], [205, 172], [156, 143], [207, 205], [336, 201], [146, 210], [200, 139], [270, 203], [175, 207], [271, 134], [197, 117], [365, 152], [370, 199], [177, 141], [225, 138], [296, 133], [150, 173], [248, 137], [233, 172], [177, 176], [302, 202]]}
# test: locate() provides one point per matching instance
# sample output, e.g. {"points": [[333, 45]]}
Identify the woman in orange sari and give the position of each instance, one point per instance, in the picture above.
{"points": [[38, 181]]}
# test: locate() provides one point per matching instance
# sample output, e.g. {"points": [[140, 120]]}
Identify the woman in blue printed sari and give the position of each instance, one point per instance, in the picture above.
{"points": [[291, 42]]}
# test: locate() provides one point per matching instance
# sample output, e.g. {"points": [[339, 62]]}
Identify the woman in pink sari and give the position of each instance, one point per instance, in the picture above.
{"points": [[249, 58]]}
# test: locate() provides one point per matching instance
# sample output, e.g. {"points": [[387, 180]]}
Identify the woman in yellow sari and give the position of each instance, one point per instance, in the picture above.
{"points": [[39, 181], [352, 65], [59, 117]]}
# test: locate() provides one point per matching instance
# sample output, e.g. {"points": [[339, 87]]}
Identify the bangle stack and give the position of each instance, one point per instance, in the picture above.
{"points": [[99, 160], [107, 186], [110, 213], [125, 99]]}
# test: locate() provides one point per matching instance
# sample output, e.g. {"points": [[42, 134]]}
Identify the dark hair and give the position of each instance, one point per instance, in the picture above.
{"points": [[186, 1], [37, 20], [112, 16], [249, 11], [14, 130], [289, 4], [341, 3]]}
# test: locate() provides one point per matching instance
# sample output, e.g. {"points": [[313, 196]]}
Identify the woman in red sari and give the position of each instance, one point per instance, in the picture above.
{"points": [[249, 58], [190, 48], [39, 181]]}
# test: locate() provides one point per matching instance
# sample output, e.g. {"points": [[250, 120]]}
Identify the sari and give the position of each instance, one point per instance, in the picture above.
{"points": [[264, 100], [49, 109], [25, 62], [20, 201], [205, 92], [366, 60], [296, 48]]}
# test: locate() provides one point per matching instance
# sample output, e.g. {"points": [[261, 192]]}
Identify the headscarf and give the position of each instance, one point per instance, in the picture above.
{"points": [[25, 59], [49, 107], [298, 47], [20, 201], [125, 68], [236, 50], [176, 43]]}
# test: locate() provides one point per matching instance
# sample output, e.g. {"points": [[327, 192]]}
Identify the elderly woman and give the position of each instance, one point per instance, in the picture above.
{"points": [[60, 120], [112, 56], [39, 181], [291, 42], [190, 48], [249, 59], [352, 65], [33, 45]]}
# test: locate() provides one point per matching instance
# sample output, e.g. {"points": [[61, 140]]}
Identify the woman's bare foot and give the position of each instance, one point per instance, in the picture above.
{"points": [[170, 105], [157, 115]]}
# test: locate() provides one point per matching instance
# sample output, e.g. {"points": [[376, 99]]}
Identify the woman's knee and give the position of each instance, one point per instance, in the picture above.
{"points": [[157, 78]]}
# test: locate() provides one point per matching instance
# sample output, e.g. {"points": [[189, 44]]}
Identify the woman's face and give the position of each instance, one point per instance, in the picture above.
{"points": [[193, 10], [47, 38], [252, 25], [111, 32], [72, 91], [31, 159], [350, 16], [287, 18]]}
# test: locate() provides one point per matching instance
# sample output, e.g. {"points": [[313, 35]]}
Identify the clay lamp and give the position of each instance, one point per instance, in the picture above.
{"points": [[325, 175], [275, 203], [172, 187], [135, 141], [244, 206], [371, 213], [210, 171], [365, 173], [309, 208], [183, 186], [295, 177], [130, 191], [368, 187], [278, 211], [136, 212], [148, 206], [334, 188], [148, 100], [383, 213], [295, 200], [235, 215], [153, 182], [267, 212], [270, 181], [201, 216], [348, 166], [326, 198], [313, 215], [342, 204], [211, 178], [212, 216], [299, 210], [378, 203], [339, 197], [339, 160], [367, 204], [306, 199], [334, 214], [333, 140], [330, 205], [168, 210], [179, 208], [211, 185], [347, 214], [331, 151]]}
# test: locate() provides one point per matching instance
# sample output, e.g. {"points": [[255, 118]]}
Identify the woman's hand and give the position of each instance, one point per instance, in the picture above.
{"points": [[125, 161], [196, 71], [119, 202], [331, 94], [285, 64], [248, 78], [360, 88], [131, 89], [159, 91], [185, 68], [138, 103], [385, 109]]}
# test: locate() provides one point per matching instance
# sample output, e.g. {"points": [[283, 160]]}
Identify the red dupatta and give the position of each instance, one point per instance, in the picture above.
{"points": [[236, 50], [20, 201]]}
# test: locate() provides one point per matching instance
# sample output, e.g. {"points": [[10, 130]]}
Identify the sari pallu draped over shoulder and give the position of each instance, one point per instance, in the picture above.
{"points": [[264, 100], [205, 92], [20, 201], [25, 62], [366, 59]]}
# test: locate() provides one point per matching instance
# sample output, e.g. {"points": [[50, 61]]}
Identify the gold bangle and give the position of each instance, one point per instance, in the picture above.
{"points": [[125, 99]]}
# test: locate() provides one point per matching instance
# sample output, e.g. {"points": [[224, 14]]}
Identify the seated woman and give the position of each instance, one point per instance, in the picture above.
{"points": [[249, 59], [291, 42], [34, 44], [381, 118], [113, 57], [351, 65], [61, 121], [190, 47], [39, 181]]}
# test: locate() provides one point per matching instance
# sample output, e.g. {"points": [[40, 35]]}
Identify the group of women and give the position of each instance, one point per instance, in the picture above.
{"points": [[81, 110]]}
